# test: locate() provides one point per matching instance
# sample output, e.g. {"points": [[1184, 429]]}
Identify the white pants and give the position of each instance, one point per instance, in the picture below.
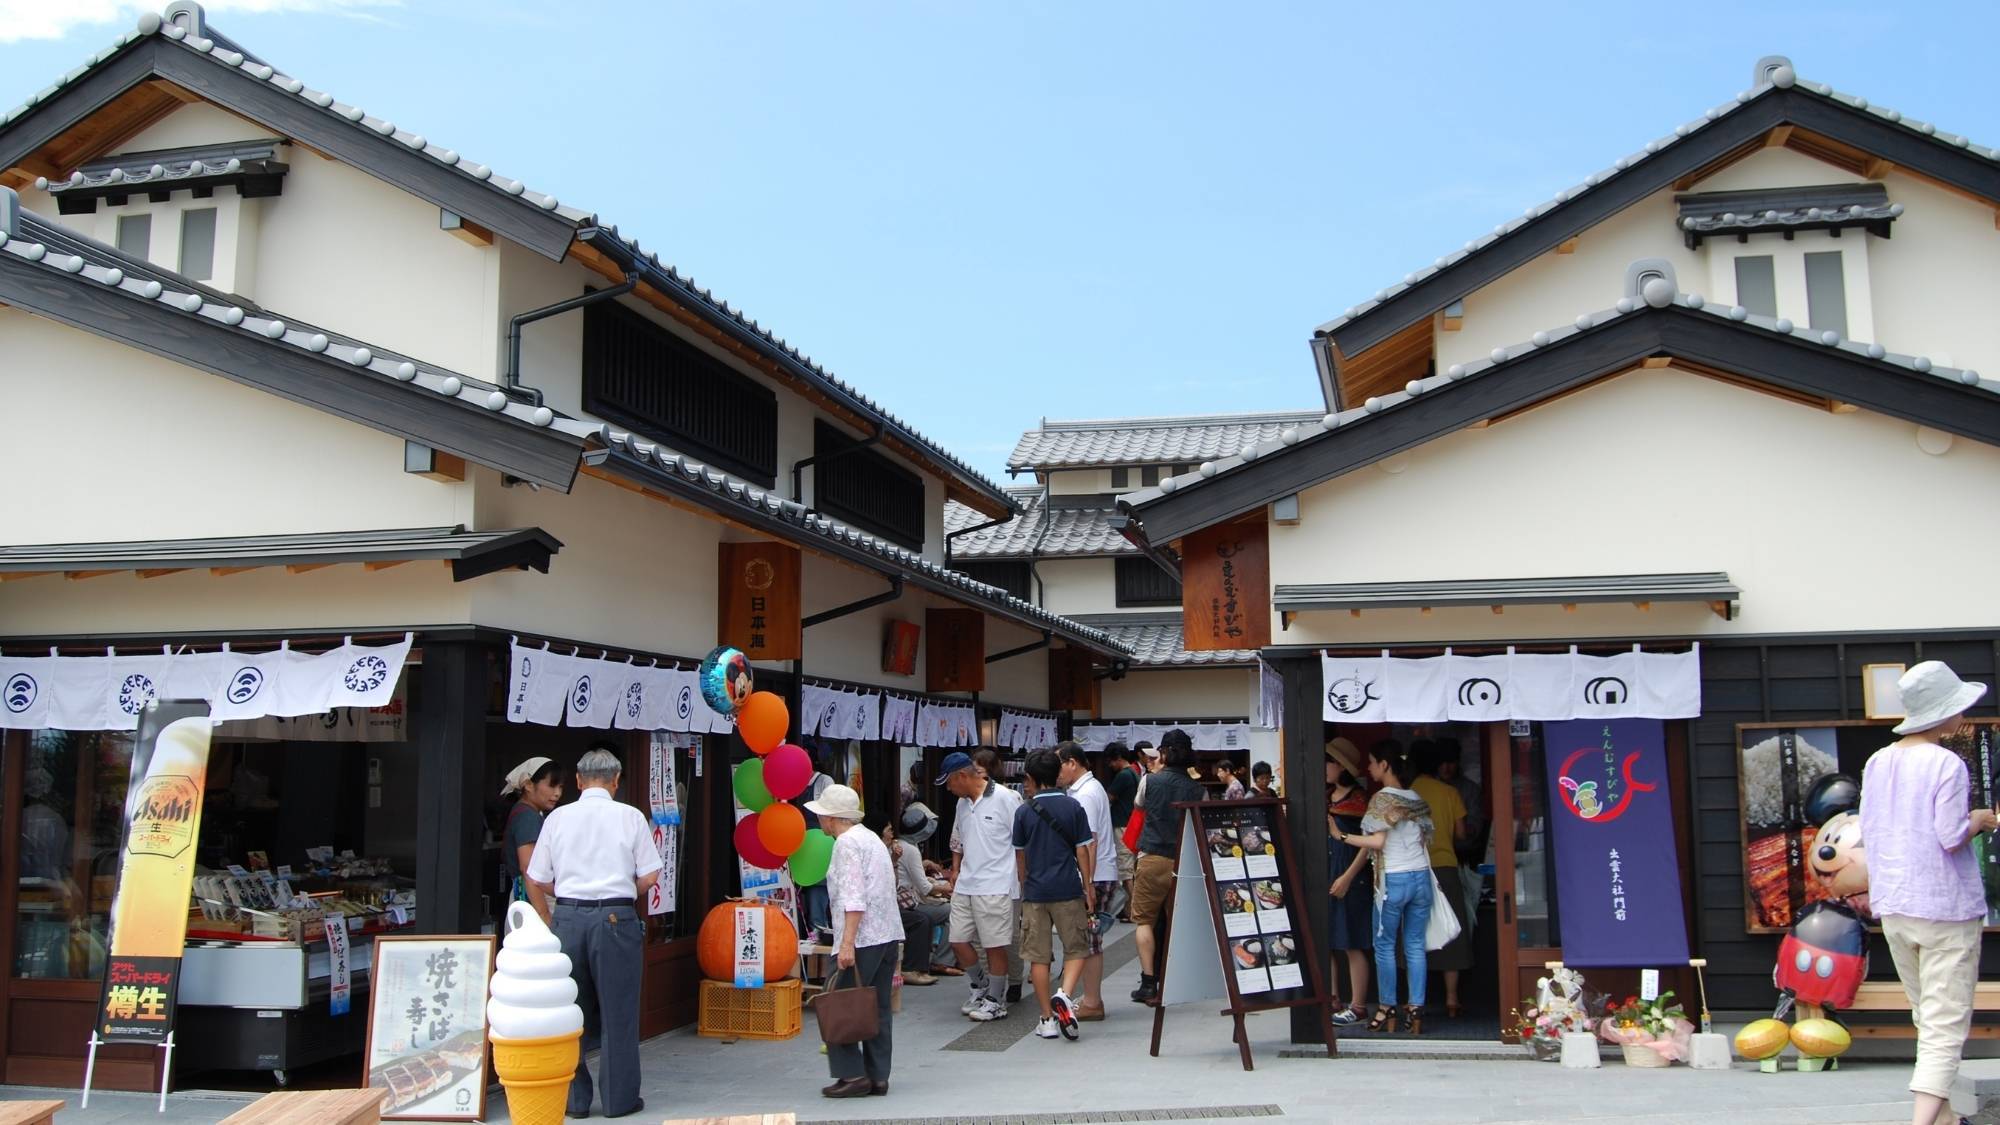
{"points": [[1938, 963]]}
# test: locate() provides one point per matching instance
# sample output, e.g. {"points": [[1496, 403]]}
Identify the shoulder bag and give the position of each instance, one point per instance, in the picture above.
{"points": [[1443, 926], [847, 1015]]}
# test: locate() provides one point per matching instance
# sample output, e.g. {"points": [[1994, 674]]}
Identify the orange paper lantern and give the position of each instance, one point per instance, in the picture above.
{"points": [[781, 828], [762, 721], [715, 945]]}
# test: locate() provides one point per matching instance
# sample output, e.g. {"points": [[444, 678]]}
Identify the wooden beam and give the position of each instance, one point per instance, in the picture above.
{"points": [[1777, 137], [1567, 246], [302, 568], [1877, 168], [1841, 407], [226, 571], [1499, 609], [17, 575], [464, 229], [1720, 609], [1644, 607], [80, 575], [373, 565], [20, 179], [175, 91], [1569, 607], [1655, 362], [1353, 613], [161, 571]]}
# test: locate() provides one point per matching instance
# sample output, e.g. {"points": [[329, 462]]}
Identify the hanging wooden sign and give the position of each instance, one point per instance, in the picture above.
{"points": [[1226, 587], [1069, 679], [955, 651], [758, 610]]}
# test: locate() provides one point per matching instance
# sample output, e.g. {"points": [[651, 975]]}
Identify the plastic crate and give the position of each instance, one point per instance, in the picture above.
{"points": [[770, 1012]]}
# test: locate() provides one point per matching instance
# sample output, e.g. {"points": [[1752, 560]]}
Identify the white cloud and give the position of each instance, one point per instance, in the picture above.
{"points": [[41, 19]]}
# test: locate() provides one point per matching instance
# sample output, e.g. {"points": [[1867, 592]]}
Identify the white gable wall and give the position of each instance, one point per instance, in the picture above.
{"points": [[1810, 513]]}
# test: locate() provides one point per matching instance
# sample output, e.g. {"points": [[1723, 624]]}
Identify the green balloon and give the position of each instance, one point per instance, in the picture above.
{"points": [[810, 862], [749, 785]]}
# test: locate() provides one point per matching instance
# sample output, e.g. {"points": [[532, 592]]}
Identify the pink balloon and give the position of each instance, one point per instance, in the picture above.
{"points": [[786, 771], [752, 849]]}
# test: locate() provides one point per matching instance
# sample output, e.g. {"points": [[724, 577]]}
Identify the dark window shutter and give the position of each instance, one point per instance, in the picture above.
{"points": [[639, 375], [1011, 575], [1142, 582], [866, 489]]}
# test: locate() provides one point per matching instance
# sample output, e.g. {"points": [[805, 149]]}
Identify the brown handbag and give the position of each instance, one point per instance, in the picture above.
{"points": [[847, 1015]]}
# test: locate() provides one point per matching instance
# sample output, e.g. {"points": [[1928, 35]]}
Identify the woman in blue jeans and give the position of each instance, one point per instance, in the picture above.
{"points": [[1398, 826]]}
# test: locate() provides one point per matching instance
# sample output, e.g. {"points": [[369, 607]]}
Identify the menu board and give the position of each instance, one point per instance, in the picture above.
{"points": [[1252, 898]]}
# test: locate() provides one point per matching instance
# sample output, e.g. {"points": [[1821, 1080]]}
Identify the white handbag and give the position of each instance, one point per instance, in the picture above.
{"points": [[1443, 926]]}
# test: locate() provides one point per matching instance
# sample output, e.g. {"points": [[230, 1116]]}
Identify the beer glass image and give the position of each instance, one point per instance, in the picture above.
{"points": [[149, 916]]}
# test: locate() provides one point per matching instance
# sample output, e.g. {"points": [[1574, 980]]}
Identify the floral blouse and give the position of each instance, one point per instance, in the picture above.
{"points": [[861, 877]]}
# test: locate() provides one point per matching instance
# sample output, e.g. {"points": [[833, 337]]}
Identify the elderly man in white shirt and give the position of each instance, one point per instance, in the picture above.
{"points": [[596, 859], [986, 889], [1082, 784]]}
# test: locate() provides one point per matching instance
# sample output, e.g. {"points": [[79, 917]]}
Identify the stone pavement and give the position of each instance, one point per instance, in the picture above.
{"points": [[950, 1070]]}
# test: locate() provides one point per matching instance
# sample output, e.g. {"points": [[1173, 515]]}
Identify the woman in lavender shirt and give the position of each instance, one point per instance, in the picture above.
{"points": [[1922, 879]]}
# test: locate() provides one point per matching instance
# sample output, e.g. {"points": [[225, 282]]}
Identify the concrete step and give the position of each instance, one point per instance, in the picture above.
{"points": [[1977, 1089]]}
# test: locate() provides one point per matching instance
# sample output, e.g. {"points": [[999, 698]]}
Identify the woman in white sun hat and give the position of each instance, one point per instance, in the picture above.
{"points": [[1923, 882]]}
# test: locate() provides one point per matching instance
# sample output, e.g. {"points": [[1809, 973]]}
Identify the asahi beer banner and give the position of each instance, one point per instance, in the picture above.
{"points": [[110, 692], [1549, 687], [1617, 869], [149, 911]]}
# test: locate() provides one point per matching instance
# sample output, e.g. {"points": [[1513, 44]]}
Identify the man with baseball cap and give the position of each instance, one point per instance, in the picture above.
{"points": [[985, 886]]}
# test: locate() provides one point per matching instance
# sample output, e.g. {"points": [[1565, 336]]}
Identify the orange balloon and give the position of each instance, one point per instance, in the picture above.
{"points": [[781, 828], [762, 721]]}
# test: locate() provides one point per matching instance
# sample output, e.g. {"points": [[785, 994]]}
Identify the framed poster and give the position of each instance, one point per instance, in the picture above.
{"points": [[427, 1026], [1777, 765], [1881, 697]]}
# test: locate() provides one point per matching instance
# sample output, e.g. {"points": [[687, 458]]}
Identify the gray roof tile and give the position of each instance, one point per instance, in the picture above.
{"points": [[1823, 207], [1155, 641], [1148, 441], [172, 167], [1040, 531]]}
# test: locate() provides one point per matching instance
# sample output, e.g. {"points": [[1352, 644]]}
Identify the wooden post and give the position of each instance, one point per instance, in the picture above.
{"points": [[1304, 752], [451, 755]]}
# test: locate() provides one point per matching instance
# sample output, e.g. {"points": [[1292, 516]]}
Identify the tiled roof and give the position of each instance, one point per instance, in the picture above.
{"points": [[658, 462], [1155, 641], [1824, 207], [184, 23], [28, 237], [171, 167], [1040, 531], [1658, 293], [471, 552], [1146, 441], [1772, 73]]}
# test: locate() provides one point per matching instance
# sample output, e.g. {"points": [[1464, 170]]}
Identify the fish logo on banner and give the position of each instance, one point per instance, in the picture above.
{"points": [[1353, 691]]}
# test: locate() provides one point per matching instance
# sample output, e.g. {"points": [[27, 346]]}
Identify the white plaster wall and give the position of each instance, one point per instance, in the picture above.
{"points": [[1788, 270], [1182, 693], [1071, 586], [111, 443], [338, 597], [1936, 282], [1657, 472], [1084, 482]]}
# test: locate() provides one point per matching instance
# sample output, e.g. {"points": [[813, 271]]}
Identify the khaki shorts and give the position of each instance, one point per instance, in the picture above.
{"points": [[1127, 861], [1070, 922], [983, 920], [1150, 888]]}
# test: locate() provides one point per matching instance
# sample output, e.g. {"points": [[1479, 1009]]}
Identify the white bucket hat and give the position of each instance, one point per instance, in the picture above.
{"points": [[1932, 693], [837, 801]]}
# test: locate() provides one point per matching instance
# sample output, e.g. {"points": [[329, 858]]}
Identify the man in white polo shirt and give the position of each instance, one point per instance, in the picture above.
{"points": [[1081, 783], [596, 859], [985, 886]]}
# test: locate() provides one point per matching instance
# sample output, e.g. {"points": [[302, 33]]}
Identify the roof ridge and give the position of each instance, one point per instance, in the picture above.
{"points": [[1165, 421]]}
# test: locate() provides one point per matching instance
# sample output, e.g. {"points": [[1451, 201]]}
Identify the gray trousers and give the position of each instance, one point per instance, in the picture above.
{"points": [[606, 948], [877, 966]]}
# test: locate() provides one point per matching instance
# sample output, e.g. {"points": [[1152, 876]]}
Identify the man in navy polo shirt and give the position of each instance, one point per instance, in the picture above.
{"points": [[1053, 849]]}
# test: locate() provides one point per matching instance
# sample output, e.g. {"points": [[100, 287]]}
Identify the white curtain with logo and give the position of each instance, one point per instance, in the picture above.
{"points": [[1548, 687]]}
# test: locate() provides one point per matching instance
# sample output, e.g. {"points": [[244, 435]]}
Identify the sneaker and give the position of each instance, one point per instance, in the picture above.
{"points": [[1013, 994], [972, 1002], [987, 1009], [1046, 1028], [1065, 1013], [1347, 1017]]}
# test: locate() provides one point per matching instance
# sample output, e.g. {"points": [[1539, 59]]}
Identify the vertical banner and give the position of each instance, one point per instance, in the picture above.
{"points": [[1226, 587], [666, 818], [1617, 868], [340, 995], [749, 947], [758, 610], [155, 873]]}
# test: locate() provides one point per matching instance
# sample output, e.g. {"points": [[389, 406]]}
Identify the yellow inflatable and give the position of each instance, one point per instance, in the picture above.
{"points": [[1762, 1040], [1820, 1039]]}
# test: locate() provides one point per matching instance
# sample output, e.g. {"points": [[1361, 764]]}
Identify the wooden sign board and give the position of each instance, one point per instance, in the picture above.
{"points": [[1070, 681], [1237, 867], [1226, 587], [427, 1026], [899, 647], [955, 655], [758, 610]]}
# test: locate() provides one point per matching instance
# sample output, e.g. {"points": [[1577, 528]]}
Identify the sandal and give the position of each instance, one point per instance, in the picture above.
{"points": [[1384, 1021], [1413, 1019]]}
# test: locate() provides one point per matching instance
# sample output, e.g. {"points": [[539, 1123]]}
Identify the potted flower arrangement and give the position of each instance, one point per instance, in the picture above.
{"points": [[1561, 1006], [1652, 1033]]}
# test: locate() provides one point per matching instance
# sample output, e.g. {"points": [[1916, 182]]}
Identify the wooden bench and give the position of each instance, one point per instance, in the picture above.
{"points": [[28, 1113], [1887, 996], [324, 1107]]}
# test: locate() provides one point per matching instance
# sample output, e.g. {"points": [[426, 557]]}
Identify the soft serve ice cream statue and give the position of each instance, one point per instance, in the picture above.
{"points": [[533, 1020]]}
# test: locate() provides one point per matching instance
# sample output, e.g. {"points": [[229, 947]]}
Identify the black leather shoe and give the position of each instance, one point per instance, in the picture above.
{"points": [[849, 1088], [878, 1089], [1013, 994], [637, 1106], [1148, 994]]}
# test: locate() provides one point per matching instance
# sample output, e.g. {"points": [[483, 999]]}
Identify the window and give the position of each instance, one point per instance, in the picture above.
{"points": [[1121, 477], [638, 374], [1757, 285], [1149, 476], [198, 244], [135, 235], [1010, 575], [1826, 292], [866, 489], [1141, 583], [68, 851]]}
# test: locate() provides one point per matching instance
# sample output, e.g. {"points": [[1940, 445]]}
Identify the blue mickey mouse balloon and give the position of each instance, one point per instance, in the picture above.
{"points": [[725, 679]]}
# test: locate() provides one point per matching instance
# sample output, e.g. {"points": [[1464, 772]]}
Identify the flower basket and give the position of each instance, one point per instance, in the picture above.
{"points": [[1543, 1049], [1638, 1054]]}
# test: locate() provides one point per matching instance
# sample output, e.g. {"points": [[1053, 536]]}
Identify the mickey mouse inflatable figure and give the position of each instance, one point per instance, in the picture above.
{"points": [[1823, 961]]}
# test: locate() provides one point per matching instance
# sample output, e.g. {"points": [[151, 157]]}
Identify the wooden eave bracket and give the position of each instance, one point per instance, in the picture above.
{"points": [[1567, 245]]}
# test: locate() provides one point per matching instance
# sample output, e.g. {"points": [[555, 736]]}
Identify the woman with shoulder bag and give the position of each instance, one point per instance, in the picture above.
{"points": [[861, 888], [1351, 909], [1398, 827]]}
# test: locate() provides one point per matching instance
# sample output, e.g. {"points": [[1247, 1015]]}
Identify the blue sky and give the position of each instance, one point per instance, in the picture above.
{"points": [[985, 214]]}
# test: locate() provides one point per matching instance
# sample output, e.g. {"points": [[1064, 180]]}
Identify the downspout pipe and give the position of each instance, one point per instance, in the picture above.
{"points": [[894, 591], [951, 535], [798, 466], [1033, 646], [511, 381]]}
